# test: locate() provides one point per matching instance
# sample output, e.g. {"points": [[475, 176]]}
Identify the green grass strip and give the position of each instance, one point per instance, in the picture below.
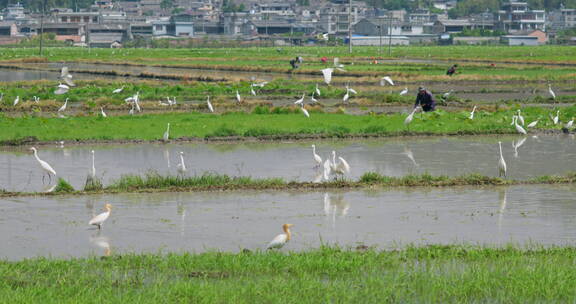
{"points": [[431, 274]]}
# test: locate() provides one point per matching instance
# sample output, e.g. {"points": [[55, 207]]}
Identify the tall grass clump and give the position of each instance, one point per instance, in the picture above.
{"points": [[153, 180], [93, 183], [63, 186]]}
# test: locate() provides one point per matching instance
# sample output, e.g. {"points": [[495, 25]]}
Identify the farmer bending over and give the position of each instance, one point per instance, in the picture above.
{"points": [[425, 100]]}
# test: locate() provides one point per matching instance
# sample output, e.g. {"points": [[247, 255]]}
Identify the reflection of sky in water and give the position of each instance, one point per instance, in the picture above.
{"points": [[231, 221], [294, 161]]}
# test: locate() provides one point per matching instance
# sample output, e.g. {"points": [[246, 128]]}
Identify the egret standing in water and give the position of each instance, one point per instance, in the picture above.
{"points": [[166, 134], [341, 167], [102, 217], [501, 162], [533, 124], [569, 124], [280, 240], [404, 92], [317, 157], [44, 165], [93, 171]]}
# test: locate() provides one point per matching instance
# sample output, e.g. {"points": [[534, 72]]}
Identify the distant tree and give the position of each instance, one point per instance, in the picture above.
{"points": [[167, 4]]}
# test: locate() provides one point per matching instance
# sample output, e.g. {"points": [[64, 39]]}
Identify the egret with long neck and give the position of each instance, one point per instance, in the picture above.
{"points": [[47, 169], [501, 163], [102, 217], [167, 133]]}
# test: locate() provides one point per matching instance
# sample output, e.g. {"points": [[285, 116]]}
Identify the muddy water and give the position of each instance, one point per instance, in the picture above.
{"points": [[231, 221], [294, 161]]}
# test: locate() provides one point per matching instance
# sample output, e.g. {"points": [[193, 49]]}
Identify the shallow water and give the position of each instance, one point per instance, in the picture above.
{"points": [[544, 155], [231, 221]]}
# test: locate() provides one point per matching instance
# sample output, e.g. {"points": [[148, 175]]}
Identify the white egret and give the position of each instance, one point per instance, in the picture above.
{"points": [[181, 167], [472, 113], [300, 101], [304, 111], [520, 118], [556, 118], [280, 240], [66, 76], [327, 73], [260, 84], [44, 165], [386, 79], [61, 89], [317, 157], [252, 91], [569, 124], [93, 171], [350, 90], [166, 134], [346, 97], [17, 100], [519, 128], [318, 90], [118, 90], [312, 99], [103, 113], [341, 167], [404, 92], [447, 94], [36, 99], [238, 98], [501, 163], [131, 112], [551, 92], [63, 107], [409, 118], [137, 102], [533, 124], [209, 105], [337, 63], [102, 217]]}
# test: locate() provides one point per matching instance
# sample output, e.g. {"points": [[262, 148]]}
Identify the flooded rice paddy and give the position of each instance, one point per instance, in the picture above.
{"points": [[526, 157], [232, 221]]}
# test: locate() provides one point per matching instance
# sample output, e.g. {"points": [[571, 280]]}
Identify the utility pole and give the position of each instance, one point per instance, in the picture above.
{"points": [[380, 33], [42, 25], [350, 26], [390, 36]]}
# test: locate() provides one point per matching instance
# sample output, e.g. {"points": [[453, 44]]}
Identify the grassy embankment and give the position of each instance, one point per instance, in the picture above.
{"points": [[264, 125], [271, 60], [90, 95], [153, 182], [432, 274]]}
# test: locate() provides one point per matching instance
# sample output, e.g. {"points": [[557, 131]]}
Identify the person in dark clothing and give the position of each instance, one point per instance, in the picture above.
{"points": [[452, 70], [425, 100], [295, 63]]}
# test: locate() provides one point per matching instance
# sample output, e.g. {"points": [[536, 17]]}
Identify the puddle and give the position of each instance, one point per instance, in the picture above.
{"points": [[232, 221], [544, 155]]}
